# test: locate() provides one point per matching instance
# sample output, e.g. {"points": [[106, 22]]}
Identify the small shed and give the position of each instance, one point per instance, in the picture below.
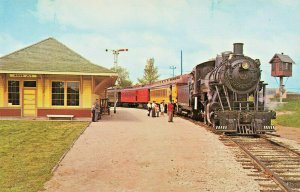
{"points": [[281, 65]]}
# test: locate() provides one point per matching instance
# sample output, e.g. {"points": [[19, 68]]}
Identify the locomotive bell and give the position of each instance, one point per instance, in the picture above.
{"points": [[226, 54], [238, 48]]}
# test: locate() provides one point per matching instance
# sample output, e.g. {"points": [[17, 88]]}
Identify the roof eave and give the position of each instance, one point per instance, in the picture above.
{"points": [[278, 55], [59, 73]]}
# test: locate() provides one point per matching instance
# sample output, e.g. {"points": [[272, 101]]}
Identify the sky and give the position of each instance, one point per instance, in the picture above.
{"points": [[158, 29]]}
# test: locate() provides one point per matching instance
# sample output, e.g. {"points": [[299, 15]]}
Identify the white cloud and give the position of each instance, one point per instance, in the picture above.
{"points": [[92, 47], [99, 14], [160, 29]]}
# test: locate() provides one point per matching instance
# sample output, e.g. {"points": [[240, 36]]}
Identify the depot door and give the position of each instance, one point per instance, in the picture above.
{"points": [[29, 99]]}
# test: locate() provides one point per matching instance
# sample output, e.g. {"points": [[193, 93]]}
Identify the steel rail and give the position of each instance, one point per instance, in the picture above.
{"points": [[281, 145], [269, 172]]}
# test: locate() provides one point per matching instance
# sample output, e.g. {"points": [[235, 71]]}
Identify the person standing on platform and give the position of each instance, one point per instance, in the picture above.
{"points": [[170, 111], [153, 109], [149, 106], [174, 107], [162, 108], [97, 110], [166, 107], [93, 113], [157, 110]]}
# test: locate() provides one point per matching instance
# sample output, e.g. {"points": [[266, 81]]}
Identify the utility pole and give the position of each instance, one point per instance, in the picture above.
{"points": [[173, 68], [181, 61], [116, 54]]}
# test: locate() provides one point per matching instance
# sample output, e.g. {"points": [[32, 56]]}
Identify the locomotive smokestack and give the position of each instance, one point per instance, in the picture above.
{"points": [[238, 48]]}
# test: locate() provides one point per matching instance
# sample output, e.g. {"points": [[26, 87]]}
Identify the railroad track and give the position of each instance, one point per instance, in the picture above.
{"points": [[275, 167]]}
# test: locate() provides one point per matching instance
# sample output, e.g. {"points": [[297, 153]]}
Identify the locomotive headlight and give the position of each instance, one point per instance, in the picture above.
{"points": [[245, 65]]}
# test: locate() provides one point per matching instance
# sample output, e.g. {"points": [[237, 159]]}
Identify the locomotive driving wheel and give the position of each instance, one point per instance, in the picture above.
{"points": [[211, 108]]}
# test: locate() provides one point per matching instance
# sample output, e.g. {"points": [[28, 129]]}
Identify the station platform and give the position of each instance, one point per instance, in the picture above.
{"points": [[129, 151]]}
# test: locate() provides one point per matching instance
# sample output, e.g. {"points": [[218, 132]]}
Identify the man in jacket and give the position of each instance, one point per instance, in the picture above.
{"points": [[170, 111], [97, 110]]}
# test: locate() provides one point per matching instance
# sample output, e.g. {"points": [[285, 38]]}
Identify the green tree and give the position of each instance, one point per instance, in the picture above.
{"points": [[150, 73], [123, 80]]}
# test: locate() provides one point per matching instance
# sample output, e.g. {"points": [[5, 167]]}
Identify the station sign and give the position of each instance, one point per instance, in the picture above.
{"points": [[23, 75]]}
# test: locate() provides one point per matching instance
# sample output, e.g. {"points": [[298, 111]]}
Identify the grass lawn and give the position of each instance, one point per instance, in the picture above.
{"points": [[30, 149], [291, 119]]}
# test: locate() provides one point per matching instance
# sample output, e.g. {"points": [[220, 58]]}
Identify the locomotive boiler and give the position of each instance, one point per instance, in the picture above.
{"points": [[227, 93]]}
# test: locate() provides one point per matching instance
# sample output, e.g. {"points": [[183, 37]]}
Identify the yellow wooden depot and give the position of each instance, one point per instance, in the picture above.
{"points": [[49, 78]]}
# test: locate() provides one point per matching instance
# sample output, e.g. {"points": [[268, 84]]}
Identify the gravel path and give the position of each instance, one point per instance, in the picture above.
{"points": [[292, 133], [130, 152]]}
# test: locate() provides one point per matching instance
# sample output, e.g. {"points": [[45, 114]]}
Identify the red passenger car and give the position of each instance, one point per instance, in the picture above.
{"points": [[143, 95], [135, 96], [128, 96]]}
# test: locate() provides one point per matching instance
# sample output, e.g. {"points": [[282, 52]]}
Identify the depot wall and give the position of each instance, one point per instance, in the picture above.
{"points": [[37, 101]]}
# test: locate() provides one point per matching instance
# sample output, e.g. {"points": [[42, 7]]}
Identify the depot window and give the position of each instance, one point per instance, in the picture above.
{"points": [[30, 84], [286, 66], [65, 93], [73, 93], [14, 92], [58, 93]]}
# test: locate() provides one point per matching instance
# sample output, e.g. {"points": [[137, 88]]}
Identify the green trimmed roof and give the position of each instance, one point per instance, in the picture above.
{"points": [[49, 56]]}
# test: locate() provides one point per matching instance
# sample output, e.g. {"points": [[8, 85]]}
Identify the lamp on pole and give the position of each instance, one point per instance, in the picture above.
{"points": [[173, 68], [116, 54]]}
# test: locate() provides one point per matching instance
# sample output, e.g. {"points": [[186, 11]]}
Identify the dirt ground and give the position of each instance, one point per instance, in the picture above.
{"points": [[292, 133], [130, 152]]}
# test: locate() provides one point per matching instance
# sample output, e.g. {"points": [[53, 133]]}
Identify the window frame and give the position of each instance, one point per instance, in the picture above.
{"points": [[58, 81], [65, 94], [19, 93], [286, 67], [24, 81]]}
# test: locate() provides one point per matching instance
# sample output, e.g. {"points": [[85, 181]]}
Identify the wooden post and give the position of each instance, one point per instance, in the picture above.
{"points": [[5, 95], [81, 91], [280, 89], [4, 83], [81, 84], [43, 90], [93, 84]]}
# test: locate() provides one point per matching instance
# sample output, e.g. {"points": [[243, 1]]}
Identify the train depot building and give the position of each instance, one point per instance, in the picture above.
{"points": [[48, 78]]}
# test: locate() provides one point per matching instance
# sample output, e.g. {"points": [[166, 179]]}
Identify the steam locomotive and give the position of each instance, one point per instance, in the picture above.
{"points": [[228, 94], [225, 92]]}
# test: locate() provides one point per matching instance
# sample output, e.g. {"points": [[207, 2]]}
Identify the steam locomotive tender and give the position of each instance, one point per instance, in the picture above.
{"points": [[227, 93]]}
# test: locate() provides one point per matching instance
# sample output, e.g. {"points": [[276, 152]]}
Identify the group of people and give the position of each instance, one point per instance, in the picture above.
{"points": [[155, 109]]}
